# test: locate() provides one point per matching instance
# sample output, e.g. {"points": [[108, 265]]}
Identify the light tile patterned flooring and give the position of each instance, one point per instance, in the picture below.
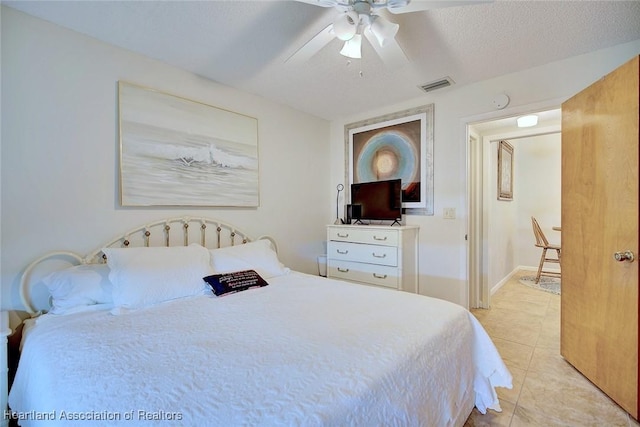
{"points": [[524, 324]]}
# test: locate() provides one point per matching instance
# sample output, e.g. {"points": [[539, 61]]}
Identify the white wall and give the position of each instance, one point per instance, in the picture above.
{"points": [[538, 186], [537, 192], [60, 173], [502, 216], [443, 249]]}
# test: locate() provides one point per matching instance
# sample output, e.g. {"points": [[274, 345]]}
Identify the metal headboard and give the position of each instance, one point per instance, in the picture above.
{"points": [[208, 232]]}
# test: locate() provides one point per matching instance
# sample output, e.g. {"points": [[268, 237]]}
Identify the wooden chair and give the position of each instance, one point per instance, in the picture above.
{"points": [[542, 242]]}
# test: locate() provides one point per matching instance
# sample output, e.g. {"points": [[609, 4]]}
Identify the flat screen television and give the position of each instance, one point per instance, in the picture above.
{"points": [[378, 200]]}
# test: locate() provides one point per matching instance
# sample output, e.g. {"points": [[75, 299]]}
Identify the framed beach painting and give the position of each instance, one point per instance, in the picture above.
{"points": [[505, 171], [179, 152], [398, 145]]}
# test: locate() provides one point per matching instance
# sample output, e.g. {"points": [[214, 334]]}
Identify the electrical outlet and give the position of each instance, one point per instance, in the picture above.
{"points": [[449, 213]]}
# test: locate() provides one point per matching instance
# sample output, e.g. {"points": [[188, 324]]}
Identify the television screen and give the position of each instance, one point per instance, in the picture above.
{"points": [[378, 200]]}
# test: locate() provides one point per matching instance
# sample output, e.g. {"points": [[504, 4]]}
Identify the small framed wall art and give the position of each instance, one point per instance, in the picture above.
{"points": [[505, 171]]}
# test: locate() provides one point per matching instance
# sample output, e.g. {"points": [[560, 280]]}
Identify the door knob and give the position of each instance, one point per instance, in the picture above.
{"points": [[624, 256]]}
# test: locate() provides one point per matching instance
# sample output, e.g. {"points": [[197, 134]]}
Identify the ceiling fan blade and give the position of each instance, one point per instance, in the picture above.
{"points": [[418, 5], [391, 54], [313, 46], [321, 3]]}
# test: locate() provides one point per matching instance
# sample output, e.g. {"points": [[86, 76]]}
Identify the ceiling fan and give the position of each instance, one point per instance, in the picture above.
{"points": [[364, 17]]}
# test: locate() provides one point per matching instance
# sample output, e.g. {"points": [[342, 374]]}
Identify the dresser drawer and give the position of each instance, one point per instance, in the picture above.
{"points": [[379, 275], [364, 235], [359, 252]]}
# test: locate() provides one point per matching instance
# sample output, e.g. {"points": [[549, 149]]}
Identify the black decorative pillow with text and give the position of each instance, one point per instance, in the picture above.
{"points": [[238, 281]]}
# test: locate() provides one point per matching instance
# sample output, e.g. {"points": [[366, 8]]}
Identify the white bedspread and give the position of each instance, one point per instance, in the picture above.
{"points": [[302, 351]]}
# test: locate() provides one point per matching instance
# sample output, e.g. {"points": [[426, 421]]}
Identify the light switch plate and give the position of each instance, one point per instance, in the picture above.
{"points": [[449, 213]]}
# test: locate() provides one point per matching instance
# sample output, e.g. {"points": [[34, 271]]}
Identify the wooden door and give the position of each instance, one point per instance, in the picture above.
{"points": [[599, 302]]}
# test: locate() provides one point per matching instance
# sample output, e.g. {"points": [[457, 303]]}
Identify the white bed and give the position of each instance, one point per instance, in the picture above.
{"points": [[304, 350]]}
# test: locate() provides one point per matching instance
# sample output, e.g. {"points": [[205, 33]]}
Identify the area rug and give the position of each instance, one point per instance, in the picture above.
{"points": [[547, 284]]}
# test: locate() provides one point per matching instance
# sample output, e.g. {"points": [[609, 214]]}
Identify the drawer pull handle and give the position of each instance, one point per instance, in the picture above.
{"points": [[379, 276], [344, 236], [342, 252], [343, 270], [379, 256], [380, 238]]}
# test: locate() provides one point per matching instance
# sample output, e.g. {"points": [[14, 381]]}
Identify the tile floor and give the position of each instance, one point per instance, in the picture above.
{"points": [[524, 324]]}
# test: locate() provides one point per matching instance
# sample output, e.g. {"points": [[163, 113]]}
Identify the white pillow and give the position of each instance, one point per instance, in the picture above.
{"points": [[146, 276], [258, 256], [78, 286]]}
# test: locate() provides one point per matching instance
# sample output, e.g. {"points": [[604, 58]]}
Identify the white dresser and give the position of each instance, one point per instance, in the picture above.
{"points": [[375, 255]]}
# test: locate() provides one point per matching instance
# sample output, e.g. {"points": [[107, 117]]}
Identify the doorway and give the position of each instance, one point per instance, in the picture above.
{"points": [[482, 138]]}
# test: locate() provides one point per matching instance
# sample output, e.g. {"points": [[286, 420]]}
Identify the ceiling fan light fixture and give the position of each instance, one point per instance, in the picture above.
{"points": [[345, 25], [383, 30], [353, 47]]}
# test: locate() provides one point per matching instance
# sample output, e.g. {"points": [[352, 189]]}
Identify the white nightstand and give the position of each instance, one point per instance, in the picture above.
{"points": [[385, 256]]}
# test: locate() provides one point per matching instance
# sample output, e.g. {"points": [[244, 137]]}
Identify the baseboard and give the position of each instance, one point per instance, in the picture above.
{"points": [[508, 277], [501, 283]]}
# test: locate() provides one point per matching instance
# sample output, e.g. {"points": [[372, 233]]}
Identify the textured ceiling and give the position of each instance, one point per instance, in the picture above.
{"points": [[245, 44]]}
